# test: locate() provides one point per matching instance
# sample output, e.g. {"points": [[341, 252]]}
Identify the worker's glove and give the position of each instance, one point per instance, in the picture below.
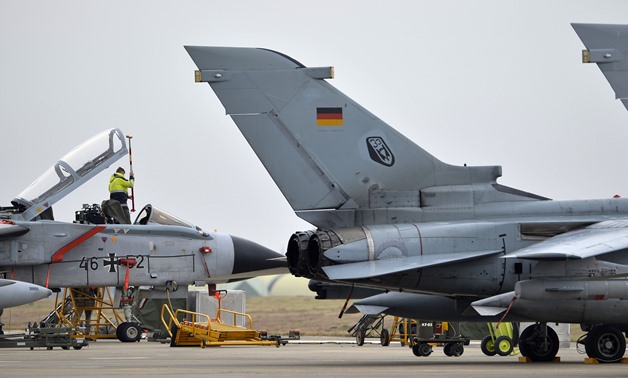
{"points": [[132, 177]]}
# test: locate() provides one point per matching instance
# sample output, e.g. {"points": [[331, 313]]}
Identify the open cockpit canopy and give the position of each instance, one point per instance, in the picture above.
{"points": [[71, 171]]}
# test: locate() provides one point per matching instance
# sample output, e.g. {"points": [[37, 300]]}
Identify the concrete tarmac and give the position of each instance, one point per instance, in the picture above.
{"points": [[312, 358]]}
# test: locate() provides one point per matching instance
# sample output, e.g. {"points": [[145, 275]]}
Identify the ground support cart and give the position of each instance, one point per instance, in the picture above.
{"points": [[370, 326], [187, 328], [45, 337], [452, 346], [501, 340]]}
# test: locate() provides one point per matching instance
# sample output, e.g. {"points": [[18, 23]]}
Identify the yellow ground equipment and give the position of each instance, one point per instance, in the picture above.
{"points": [[187, 328], [402, 330], [421, 336], [90, 309], [370, 326], [445, 334], [501, 340]]}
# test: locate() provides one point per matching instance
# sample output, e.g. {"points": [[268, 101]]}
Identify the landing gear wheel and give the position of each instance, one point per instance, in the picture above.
{"points": [[128, 332], [503, 345], [605, 343], [422, 349], [360, 335], [539, 343], [456, 349], [384, 337], [488, 346]]}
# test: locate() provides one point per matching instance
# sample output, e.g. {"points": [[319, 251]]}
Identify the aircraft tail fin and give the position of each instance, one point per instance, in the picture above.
{"points": [[322, 149], [607, 46]]}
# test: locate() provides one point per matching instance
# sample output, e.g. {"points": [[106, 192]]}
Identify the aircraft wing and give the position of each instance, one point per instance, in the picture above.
{"points": [[374, 268], [607, 46], [594, 240]]}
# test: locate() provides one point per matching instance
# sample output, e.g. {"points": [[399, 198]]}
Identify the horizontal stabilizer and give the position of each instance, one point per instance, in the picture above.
{"points": [[607, 46], [594, 240], [367, 269]]}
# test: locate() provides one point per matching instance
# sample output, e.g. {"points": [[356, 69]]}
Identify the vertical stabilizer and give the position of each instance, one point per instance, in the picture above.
{"points": [[607, 46], [323, 150]]}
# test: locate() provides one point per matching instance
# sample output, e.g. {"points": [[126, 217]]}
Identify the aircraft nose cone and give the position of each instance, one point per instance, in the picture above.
{"points": [[250, 257], [46, 293], [35, 292]]}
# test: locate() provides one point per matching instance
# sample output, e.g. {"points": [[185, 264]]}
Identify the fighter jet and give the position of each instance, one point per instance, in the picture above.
{"points": [[158, 251], [451, 240]]}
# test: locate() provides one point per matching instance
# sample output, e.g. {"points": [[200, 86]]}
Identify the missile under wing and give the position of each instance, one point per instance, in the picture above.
{"points": [[390, 215], [15, 293]]}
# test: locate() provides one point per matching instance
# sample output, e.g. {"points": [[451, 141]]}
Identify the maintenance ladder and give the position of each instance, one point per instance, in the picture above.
{"points": [[201, 330]]}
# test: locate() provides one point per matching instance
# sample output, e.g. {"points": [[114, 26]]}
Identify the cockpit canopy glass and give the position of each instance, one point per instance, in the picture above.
{"points": [[153, 215], [74, 168]]}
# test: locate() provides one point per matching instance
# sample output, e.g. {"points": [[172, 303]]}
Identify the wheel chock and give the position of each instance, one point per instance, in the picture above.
{"points": [[527, 359]]}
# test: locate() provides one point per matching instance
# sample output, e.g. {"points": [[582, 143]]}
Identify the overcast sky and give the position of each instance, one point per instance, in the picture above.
{"points": [[475, 82]]}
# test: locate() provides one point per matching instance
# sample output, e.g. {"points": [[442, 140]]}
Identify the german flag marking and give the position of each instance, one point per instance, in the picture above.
{"points": [[329, 116]]}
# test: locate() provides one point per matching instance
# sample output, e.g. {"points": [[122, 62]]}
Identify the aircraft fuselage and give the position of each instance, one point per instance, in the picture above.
{"points": [[59, 254], [502, 228]]}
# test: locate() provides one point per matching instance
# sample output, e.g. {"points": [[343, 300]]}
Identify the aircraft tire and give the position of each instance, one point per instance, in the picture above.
{"points": [[503, 345], [128, 332], [384, 337], [360, 335], [532, 343], [488, 346], [605, 343]]}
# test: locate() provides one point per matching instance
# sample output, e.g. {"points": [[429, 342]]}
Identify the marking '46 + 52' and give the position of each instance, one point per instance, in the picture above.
{"points": [[112, 262]]}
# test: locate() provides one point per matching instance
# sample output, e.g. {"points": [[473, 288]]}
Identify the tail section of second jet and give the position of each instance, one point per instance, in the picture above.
{"points": [[607, 46], [323, 150]]}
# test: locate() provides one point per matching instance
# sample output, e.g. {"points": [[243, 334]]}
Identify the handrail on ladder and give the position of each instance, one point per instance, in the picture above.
{"points": [[175, 320]]}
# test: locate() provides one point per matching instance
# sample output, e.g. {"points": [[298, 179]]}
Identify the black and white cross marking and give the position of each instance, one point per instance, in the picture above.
{"points": [[112, 262]]}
